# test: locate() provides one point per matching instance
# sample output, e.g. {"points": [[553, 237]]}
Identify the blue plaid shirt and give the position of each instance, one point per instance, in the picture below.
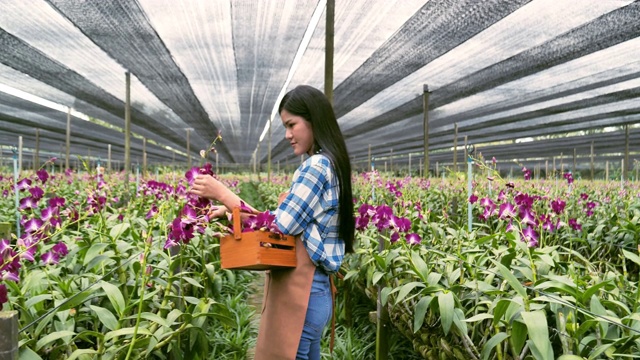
{"points": [[311, 209]]}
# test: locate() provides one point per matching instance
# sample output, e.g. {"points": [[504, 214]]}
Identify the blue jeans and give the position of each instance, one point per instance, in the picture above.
{"points": [[318, 315]]}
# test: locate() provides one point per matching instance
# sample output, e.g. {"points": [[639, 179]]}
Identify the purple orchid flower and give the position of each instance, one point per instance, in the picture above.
{"points": [[530, 236], [506, 211], [43, 175], [413, 239], [24, 184], [558, 206]]}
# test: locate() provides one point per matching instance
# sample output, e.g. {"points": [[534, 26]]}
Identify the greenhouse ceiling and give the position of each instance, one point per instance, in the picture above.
{"points": [[526, 80]]}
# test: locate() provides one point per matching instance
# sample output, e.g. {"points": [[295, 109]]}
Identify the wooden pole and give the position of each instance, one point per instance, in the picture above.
{"points": [[9, 335], [575, 155], [625, 172], [109, 158], [425, 124], [606, 171], [391, 160], [592, 169], [455, 147], [68, 139], [546, 169], [144, 157], [188, 149], [328, 52], [269, 155], [369, 166], [127, 131], [382, 316], [36, 153]]}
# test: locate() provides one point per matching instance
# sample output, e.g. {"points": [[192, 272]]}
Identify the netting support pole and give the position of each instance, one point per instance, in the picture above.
{"points": [[592, 166], [455, 147], [625, 169], [144, 157], [68, 139], [109, 158], [425, 122], [369, 157], [328, 52], [383, 323], [188, 149], [269, 154], [36, 154], [127, 131]]}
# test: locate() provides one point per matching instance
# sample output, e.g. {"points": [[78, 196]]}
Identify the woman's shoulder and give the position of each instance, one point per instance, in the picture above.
{"points": [[319, 162]]}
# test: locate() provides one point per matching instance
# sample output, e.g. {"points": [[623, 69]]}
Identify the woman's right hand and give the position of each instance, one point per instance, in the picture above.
{"points": [[208, 187]]}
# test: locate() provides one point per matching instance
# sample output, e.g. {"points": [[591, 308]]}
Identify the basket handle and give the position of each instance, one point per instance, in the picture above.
{"points": [[237, 223]]}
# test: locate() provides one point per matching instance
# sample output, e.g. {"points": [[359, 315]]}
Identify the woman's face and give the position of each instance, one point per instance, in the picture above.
{"points": [[299, 133]]}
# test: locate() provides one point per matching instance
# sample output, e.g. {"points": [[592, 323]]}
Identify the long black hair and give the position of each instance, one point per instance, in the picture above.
{"points": [[312, 105]]}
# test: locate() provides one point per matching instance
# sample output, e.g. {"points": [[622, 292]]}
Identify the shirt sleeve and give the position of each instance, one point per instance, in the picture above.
{"points": [[299, 207]]}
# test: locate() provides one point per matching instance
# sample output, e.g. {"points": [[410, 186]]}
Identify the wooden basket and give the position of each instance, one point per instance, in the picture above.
{"points": [[256, 250]]}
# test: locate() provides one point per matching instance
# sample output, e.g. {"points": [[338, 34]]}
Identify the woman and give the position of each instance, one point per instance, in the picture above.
{"points": [[318, 209]]}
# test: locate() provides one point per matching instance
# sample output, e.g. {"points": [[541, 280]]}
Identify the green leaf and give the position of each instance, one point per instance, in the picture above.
{"points": [[115, 296], [75, 300], [499, 310], [479, 317], [420, 312], [592, 290], [118, 229], [493, 342], [193, 282], [380, 260], [518, 335], [125, 331], [512, 280], [434, 278], [570, 357], [459, 320], [446, 304], [631, 256], [93, 251], [384, 294], [106, 317], [536, 322], [376, 277], [559, 287], [599, 350], [80, 352], [155, 318], [48, 339], [406, 289], [419, 266], [36, 300], [27, 354], [597, 308], [192, 300]]}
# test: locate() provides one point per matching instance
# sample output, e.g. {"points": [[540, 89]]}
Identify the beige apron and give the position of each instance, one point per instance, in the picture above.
{"points": [[284, 308]]}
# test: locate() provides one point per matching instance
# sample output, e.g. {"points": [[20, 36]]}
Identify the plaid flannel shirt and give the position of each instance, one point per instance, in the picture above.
{"points": [[311, 210]]}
